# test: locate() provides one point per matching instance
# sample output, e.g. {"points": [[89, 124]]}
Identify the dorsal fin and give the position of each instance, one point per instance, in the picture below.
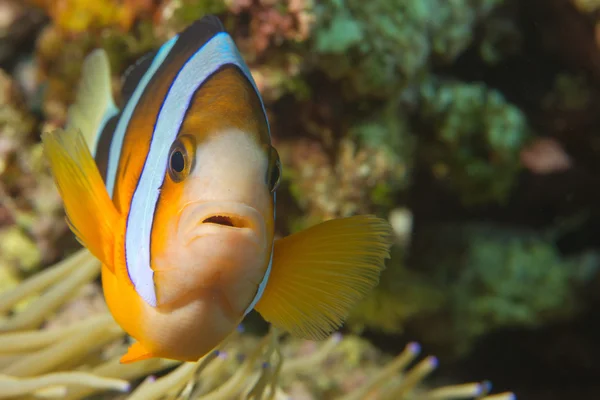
{"points": [[94, 104], [194, 37], [203, 30], [134, 73], [198, 33]]}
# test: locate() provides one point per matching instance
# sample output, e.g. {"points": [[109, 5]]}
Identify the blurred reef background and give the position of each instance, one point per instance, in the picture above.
{"points": [[473, 125]]}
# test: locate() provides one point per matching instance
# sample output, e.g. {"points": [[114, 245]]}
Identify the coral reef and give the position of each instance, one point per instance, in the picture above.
{"points": [[171, 16], [326, 191], [501, 40], [79, 16], [17, 26], [270, 26], [381, 47], [495, 277], [420, 111], [477, 139], [59, 59], [31, 216]]}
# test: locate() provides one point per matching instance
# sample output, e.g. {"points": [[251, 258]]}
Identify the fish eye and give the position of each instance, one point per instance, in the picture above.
{"points": [[177, 161], [274, 173], [180, 159]]}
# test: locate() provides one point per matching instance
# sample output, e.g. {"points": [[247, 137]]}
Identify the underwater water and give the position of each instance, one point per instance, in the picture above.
{"points": [[472, 127]]}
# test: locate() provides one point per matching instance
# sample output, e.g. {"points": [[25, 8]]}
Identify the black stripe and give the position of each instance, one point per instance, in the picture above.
{"points": [[133, 75], [202, 30], [195, 36], [192, 39], [104, 142]]}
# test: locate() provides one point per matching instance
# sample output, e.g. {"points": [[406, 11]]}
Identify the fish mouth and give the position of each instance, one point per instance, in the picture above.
{"points": [[213, 217], [232, 221]]}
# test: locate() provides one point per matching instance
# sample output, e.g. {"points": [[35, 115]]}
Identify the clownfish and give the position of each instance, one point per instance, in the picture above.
{"points": [[174, 193]]}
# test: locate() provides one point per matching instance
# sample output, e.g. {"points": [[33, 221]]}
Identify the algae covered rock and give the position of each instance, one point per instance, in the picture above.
{"points": [[477, 136], [34, 220], [497, 277], [357, 180], [379, 47]]}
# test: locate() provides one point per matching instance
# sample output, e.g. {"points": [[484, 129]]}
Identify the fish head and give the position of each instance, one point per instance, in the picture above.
{"points": [[214, 222]]}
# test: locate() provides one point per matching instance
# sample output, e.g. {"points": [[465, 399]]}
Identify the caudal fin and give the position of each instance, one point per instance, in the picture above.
{"points": [[91, 213], [319, 274]]}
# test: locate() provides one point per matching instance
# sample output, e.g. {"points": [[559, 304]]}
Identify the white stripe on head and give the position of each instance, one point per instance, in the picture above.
{"points": [[215, 53]]}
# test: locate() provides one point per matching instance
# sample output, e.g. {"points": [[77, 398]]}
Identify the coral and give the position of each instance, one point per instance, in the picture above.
{"points": [[357, 167], [80, 358], [501, 39], [59, 59], [29, 200], [388, 128], [174, 15], [499, 277], [505, 271], [17, 25], [281, 75], [273, 43], [570, 92], [77, 16], [273, 23], [15, 123], [380, 47], [477, 139], [358, 181], [63, 44]]}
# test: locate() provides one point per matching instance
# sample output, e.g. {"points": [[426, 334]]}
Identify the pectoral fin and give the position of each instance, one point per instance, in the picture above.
{"points": [[136, 352], [319, 274]]}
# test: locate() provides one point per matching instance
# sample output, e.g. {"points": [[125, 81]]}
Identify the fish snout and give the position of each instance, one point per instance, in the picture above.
{"points": [[231, 219]]}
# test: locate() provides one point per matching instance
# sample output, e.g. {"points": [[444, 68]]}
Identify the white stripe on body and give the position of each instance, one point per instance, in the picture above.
{"points": [[116, 144]]}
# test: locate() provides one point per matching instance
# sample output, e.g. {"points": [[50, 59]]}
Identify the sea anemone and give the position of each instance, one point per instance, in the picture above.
{"points": [[39, 359]]}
